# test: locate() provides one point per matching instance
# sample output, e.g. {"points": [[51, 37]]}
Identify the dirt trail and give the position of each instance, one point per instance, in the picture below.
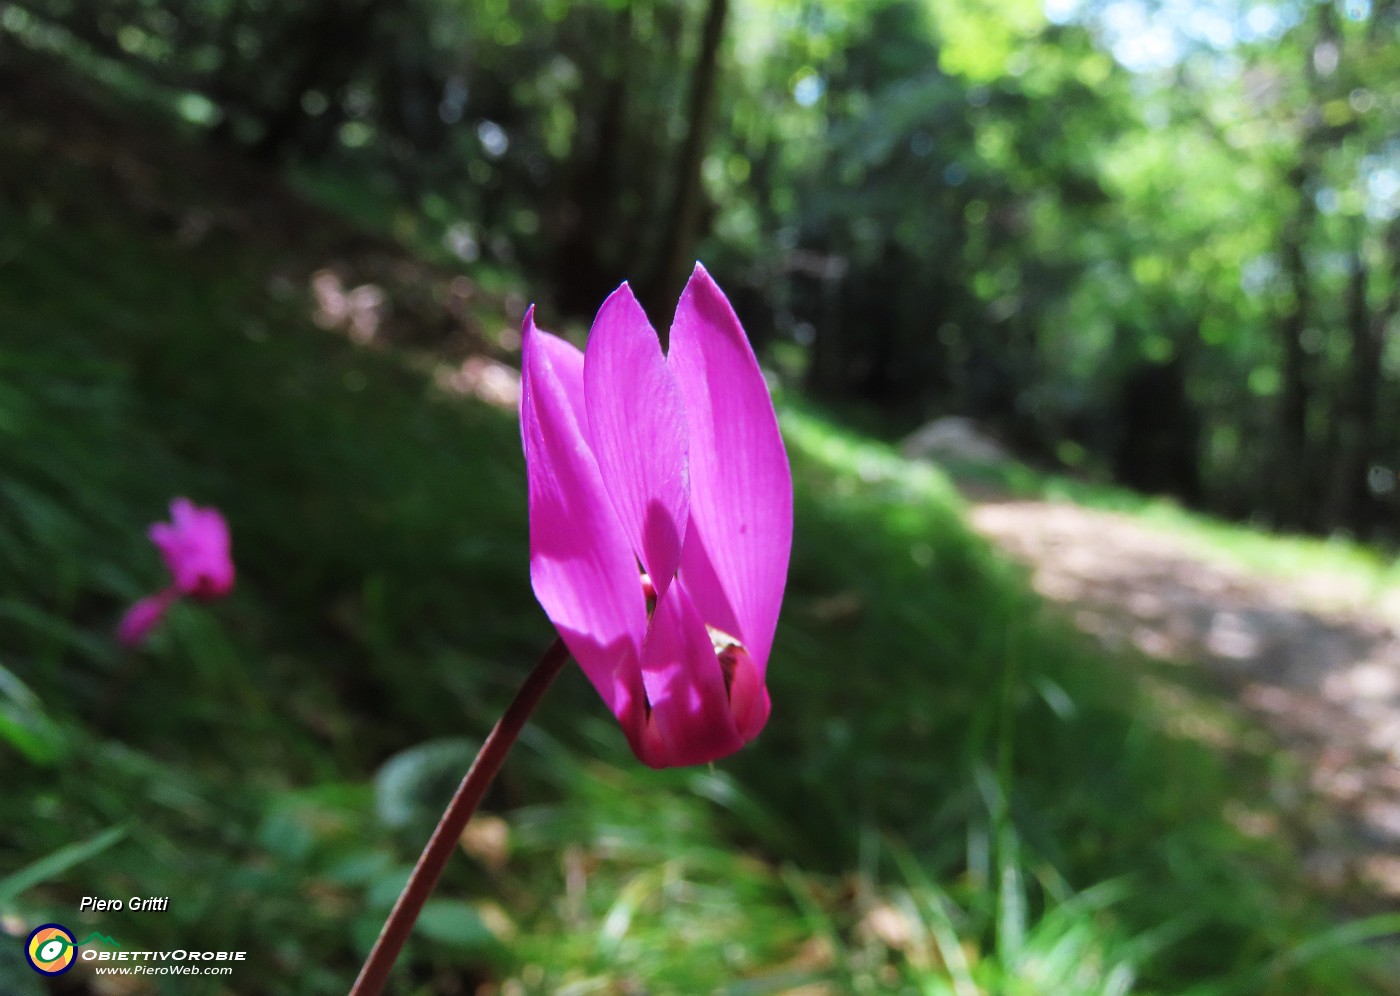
{"points": [[1317, 662]]}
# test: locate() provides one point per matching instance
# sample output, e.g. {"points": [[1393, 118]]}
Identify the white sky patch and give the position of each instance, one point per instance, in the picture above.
{"points": [[1210, 26], [493, 139], [1139, 40], [1383, 191], [808, 90], [1146, 36], [1263, 22], [1061, 11]]}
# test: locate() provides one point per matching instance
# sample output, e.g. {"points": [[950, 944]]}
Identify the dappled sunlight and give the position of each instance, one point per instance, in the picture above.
{"points": [[1321, 673], [485, 379], [357, 311]]}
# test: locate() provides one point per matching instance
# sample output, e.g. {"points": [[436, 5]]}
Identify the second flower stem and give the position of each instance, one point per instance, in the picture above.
{"points": [[449, 829]]}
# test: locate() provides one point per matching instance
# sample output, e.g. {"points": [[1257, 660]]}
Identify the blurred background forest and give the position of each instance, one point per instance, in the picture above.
{"points": [[1143, 244], [1151, 241]]}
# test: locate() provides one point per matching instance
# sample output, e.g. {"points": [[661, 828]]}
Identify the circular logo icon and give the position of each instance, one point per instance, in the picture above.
{"points": [[50, 949]]}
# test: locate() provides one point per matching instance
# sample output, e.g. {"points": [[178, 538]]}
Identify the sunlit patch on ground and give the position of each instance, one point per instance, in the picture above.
{"points": [[357, 311], [485, 379]]}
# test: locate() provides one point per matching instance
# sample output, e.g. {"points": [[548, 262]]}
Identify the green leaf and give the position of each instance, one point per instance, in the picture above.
{"points": [[25, 725], [414, 785], [455, 923], [55, 864]]}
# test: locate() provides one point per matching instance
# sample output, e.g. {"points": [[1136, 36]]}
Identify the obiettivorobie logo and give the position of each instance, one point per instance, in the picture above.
{"points": [[51, 949]]}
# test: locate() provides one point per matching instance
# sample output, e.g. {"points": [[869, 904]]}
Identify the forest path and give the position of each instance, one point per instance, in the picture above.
{"points": [[1315, 661]]}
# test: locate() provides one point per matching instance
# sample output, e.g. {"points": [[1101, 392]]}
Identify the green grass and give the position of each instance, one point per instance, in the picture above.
{"points": [[955, 793]]}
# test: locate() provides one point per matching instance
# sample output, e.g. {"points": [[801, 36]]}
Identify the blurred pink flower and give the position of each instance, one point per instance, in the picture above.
{"points": [[195, 547], [673, 463]]}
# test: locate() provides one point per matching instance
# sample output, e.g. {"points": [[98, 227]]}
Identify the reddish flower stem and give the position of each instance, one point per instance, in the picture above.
{"points": [[449, 829]]}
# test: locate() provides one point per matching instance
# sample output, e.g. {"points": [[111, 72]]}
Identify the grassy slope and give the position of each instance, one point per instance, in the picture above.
{"points": [[947, 779]]}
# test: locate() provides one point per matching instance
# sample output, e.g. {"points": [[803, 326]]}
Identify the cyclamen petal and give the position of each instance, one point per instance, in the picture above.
{"points": [[637, 428], [195, 547], [685, 686], [672, 465], [144, 616], [581, 565], [739, 536]]}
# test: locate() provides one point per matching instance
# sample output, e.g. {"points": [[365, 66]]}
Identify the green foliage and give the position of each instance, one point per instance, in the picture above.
{"points": [[23, 722], [56, 864], [1172, 246]]}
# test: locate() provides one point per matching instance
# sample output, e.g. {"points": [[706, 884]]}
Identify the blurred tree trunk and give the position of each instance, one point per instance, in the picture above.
{"points": [[1159, 440], [1300, 493], [1294, 456], [1356, 426], [682, 220], [824, 290], [583, 274], [326, 48], [226, 72]]}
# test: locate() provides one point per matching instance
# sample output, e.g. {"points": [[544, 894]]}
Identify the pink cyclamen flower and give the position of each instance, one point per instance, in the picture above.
{"points": [[195, 547], [660, 518]]}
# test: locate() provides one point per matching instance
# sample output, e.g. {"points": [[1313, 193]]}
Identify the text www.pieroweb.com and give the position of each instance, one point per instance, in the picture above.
{"points": [[174, 962], [163, 970]]}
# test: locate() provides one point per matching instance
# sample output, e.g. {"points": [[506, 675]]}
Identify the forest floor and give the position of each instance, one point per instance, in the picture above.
{"points": [[1315, 662]]}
